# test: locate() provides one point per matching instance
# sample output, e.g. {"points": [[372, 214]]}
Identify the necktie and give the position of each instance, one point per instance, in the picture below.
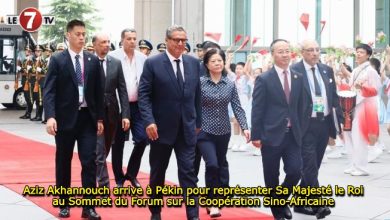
{"points": [[179, 75], [78, 70], [286, 86], [101, 61], [101, 65], [316, 84]]}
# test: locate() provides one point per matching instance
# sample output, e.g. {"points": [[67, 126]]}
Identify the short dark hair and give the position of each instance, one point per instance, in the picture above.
{"points": [[365, 47], [210, 53], [131, 30], [208, 44], [71, 24], [376, 64], [271, 47], [240, 64]]}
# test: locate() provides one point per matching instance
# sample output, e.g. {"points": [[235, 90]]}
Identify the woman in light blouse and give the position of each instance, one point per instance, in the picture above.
{"points": [[213, 139]]}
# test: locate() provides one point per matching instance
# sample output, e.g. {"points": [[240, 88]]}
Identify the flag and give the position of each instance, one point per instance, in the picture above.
{"points": [[214, 36], [262, 52], [237, 38], [322, 25], [244, 43], [305, 20]]}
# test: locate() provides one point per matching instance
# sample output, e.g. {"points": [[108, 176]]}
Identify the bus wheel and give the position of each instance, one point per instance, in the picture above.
{"points": [[19, 100]]}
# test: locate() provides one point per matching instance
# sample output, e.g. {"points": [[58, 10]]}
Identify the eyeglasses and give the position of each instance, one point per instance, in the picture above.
{"points": [[311, 50], [178, 40]]}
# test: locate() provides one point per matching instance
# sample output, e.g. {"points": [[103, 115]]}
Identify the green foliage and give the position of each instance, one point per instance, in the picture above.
{"points": [[65, 11]]}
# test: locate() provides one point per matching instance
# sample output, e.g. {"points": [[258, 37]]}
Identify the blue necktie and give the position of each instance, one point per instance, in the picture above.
{"points": [[78, 71]]}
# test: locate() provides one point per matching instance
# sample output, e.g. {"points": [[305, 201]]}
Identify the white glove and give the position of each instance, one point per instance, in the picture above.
{"points": [[39, 69], [18, 68], [29, 67]]}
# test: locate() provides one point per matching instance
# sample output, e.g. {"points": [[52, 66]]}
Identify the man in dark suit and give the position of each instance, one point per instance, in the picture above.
{"points": [[73, 103], [113, 81], [169, 101], [318, 124], [276, 117]]}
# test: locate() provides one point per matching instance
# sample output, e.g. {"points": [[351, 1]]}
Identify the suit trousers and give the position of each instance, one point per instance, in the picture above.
{"points": [[84, 133], [159, 159], [103, 147], [140, 140], [313, 149], [213, 149], [290, 153]]}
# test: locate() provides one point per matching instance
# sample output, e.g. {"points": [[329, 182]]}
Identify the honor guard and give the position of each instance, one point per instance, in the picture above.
{"points": [[161, 47], [26, 70], [48, 52], [187, 48], [60, 47], [145, 47], [37, 80], [89, 47]]}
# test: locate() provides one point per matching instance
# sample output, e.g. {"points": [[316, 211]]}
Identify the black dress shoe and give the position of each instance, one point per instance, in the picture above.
{"points": [[36, 119], [25, 116], [194, 218], [322, 212], [156, 216], [134, 182], [306, 210], [44, 122], [64, 212], [287, 212], [91, 214], [279, 218]]}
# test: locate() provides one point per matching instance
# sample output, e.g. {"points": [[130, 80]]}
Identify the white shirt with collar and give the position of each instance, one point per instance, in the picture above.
{"points": [[81, 60], [132, 70], [174, 65], [104, 63], [309, 74], [281, 76]]}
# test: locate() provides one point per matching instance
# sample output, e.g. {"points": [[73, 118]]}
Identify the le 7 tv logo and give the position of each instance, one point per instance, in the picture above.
{"points": [[30, 19]]}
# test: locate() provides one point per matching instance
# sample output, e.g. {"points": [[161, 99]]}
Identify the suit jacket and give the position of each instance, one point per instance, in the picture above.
{"points": [[331, 93], [61, 96], [113, 81], [161, 102], [270, 110]]}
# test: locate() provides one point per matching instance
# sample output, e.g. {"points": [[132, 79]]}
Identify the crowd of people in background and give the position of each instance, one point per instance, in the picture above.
{"points": [[200, 106]]}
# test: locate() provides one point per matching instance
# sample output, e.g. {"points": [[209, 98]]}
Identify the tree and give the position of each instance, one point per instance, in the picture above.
{"points": [[65, 11]]}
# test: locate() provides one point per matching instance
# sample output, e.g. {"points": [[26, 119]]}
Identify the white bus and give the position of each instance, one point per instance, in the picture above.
{"points": [[13, 40]]}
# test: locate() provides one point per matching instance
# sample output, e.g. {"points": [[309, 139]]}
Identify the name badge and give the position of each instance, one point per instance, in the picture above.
{"points": [[318, 105], [81, 94]]}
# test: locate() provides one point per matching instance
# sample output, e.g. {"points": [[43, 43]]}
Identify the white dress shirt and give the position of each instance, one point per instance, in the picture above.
{"points": [[174, 65], [81, 60], [281, 76], [312, 87]]}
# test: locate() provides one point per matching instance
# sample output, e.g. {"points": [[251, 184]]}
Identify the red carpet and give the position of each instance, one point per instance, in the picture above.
{"points": [[27, 162]]}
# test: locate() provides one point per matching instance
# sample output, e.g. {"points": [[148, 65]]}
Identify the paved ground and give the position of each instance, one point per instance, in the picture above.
{"points": [[245, 170]]}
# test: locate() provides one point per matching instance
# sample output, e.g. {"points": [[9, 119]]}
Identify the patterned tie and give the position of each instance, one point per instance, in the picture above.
{"points": [[286, 86], [316, 84], [179, 75], [78, 71]]}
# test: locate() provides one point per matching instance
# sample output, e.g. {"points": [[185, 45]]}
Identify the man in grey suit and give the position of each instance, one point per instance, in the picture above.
{"points": [[113, 80]]}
